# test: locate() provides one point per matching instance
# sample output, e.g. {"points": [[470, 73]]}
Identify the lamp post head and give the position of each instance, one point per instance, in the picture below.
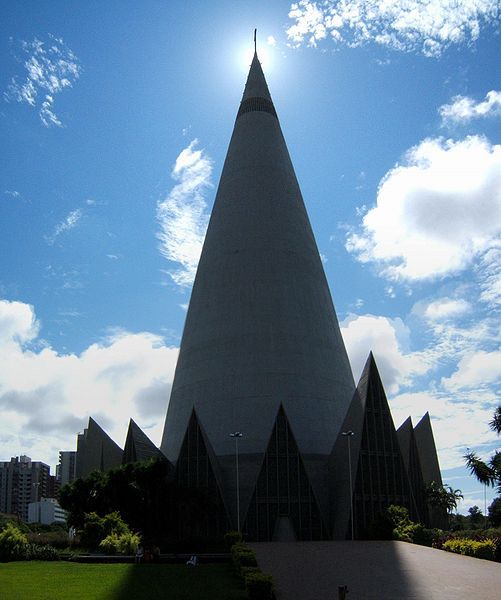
{"points": [[349, 433], [236, 434]]}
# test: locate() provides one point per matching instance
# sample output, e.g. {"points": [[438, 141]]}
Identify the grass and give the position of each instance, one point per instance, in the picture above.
{"points": [[73, 581]]}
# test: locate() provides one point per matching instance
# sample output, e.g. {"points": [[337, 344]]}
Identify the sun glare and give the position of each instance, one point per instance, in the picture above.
{"points": [[264, 55]]}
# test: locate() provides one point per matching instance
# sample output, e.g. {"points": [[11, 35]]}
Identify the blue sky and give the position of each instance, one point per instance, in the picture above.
{"points": [[115, 119]]}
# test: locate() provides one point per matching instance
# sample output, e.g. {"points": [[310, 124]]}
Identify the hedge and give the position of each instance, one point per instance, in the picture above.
{"points": [[14, 546], [477, 548], [243, 556], [231, 538], [259, 586]]}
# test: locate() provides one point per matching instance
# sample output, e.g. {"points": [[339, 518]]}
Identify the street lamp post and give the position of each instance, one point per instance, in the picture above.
{"points": [[237, 435], [349, 434]]}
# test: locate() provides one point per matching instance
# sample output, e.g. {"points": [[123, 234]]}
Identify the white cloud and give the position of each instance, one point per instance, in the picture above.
{"points": [[47, 115], [425, 26], [271, 41], [463, 109], [446, 308], [390, 292], [386, 338], [13, 194], [460, 405], [46, 397], [475, 370], [456, 424], [436, 213], [183, 214], [17, 322], [489, 274], [51, 68], [68, 223]]}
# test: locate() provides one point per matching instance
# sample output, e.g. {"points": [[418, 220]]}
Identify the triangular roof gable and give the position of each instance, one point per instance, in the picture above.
{"points": [[405, 434], [427, 450], [369, 418], [282, 445], [183, 474], [138, 446]]}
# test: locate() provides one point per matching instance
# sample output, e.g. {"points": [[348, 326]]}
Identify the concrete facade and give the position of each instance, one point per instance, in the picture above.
{"points": [[138, 446], [261, 331], [47, 511], [96, 451], [66, 469], [22, 481], [262, 355], [378, 472]]}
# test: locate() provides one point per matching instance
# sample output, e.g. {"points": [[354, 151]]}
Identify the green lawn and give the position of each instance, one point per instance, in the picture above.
{"points": [[72, 581]]}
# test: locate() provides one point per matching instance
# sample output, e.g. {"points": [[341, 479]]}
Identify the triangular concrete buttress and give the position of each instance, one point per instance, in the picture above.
{"points": [[427, 450], [197, 468], [138, 446], [379, 476], [283, 502], [410, 454], [405, 434], [96, 451], [430, 467]]}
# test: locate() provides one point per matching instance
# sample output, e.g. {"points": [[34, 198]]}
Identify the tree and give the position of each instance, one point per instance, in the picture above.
{"points": [[495, 423], [443, 496], [84, 496], [476, 517], [495, 512], [13, 543], [148, 499], [487, 472], [96, 528]]}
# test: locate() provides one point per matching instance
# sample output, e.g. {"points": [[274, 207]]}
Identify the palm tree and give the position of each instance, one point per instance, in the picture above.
{"points": [[487, 472], [495, 423], [443, 496]]}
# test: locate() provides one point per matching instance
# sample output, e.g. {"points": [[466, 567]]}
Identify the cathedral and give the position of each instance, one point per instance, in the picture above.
{"points": [[264, 414]]}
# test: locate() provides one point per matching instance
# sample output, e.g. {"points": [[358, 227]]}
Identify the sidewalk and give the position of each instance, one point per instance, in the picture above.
{"points": [[376, 571]]}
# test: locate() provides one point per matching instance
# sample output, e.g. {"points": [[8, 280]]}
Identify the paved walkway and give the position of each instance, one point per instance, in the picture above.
{"points": [[376, 571]]}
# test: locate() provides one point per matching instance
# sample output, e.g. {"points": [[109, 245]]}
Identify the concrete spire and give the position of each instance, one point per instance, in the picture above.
{"points": [[256, 86], [261, 330]]}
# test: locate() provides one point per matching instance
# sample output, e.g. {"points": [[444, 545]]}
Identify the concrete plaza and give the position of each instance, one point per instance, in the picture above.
{"points": [[376, 571]]}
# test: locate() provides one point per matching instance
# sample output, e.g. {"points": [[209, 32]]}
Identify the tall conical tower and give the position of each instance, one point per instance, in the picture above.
{"points": [[261, 351]]}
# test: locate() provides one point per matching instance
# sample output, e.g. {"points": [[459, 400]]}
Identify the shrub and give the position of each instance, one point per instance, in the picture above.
{"points": [[93, 530], [243, 556], [426, 537], [13, 544], [126, 543], [16, 521], [380, 528], [398, 514], [96, 528], [36, 552], [57, 539], [259, 586], [477, 548], [231, 538], [110, 544], [244, 571], [477, 534], [113, 522]]}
